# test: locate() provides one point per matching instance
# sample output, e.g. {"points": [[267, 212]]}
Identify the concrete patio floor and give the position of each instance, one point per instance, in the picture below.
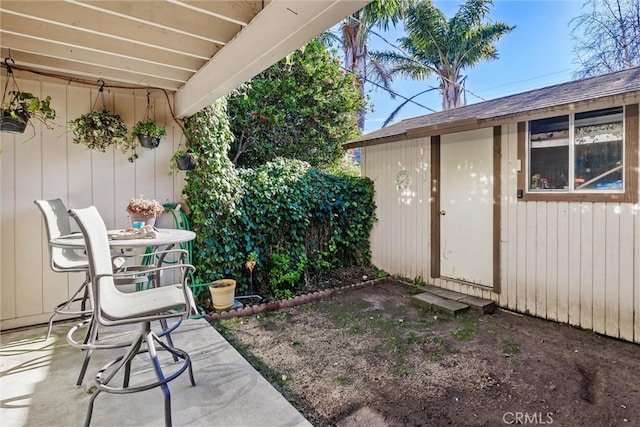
{"points": [[37, 385]]}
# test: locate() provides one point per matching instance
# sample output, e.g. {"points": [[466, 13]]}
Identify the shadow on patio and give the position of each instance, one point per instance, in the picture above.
{"points": [[38, 380]]}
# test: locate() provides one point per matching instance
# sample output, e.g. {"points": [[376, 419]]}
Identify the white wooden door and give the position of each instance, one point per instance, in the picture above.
{"points": [[466, 206]]}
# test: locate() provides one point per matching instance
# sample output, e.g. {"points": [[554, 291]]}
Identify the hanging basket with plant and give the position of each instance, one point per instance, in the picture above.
{"points": [[148, 131], [149, 134], [21, 107], [183, 160], [99, 130]]}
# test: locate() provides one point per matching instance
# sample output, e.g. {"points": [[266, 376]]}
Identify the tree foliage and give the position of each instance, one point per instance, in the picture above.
{"points": [[435, 45], [355, 31], [606, 36], [303, 107], [294, 220]]}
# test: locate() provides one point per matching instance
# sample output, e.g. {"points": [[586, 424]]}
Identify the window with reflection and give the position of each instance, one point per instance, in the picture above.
{"points": [[581, 152]]}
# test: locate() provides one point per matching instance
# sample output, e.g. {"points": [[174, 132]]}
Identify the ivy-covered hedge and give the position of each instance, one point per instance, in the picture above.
{"points": [[298, 221]]}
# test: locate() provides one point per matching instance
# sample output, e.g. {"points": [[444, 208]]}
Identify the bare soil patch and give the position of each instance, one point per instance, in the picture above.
{"points": [[369, 356]]}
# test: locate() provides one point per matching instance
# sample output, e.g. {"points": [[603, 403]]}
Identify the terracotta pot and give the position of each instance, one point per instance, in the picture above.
{"points": [[222, 293]]}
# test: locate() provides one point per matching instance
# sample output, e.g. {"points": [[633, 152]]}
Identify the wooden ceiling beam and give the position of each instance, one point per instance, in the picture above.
{"points": [[110, 27], [87, 72], [69, 38], [170, 16], [282, 27], [97, 58], [238, 12]]}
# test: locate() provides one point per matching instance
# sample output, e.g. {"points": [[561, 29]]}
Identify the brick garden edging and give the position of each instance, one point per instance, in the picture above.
{"points": [[291, 302]]}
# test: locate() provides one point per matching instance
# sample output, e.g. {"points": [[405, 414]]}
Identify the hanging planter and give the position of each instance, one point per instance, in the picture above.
{"points": [[148, 141], [148, 131], [183, 160], [99, 130], [22, 107], [14, 122]]}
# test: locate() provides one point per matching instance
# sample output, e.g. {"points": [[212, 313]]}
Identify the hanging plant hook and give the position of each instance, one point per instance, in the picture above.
{"points": [[10, 78], [100, 96], [149, 115], [6, 63]]}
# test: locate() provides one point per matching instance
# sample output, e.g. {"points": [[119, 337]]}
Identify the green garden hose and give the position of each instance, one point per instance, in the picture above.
{"points": [[181, 221]]}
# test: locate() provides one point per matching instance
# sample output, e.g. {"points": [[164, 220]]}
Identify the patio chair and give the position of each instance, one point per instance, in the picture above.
{"points": [[57, 223], [56, 219], [111, 307], [126, 277]]}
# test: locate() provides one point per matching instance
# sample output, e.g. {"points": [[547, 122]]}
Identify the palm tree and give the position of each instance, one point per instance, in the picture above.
{"points": [[435, 45], [355, 31]]}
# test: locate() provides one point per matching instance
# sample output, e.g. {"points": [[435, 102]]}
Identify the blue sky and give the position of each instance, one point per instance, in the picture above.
{"points": [[537, 53]]}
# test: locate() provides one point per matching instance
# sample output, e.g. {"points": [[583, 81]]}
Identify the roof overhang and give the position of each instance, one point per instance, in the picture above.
{"points": [[199, 50], [454, 126], [278, 30], [619, 88]]}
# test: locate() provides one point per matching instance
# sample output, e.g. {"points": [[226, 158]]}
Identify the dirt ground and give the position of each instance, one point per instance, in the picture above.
{"points": [[370, 357]]}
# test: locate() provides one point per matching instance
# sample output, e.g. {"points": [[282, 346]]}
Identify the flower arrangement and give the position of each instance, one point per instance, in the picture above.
{"points": [[144, 207]]}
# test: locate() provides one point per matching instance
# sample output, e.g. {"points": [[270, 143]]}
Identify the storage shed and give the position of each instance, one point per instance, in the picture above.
{"points": [[530, 200]]}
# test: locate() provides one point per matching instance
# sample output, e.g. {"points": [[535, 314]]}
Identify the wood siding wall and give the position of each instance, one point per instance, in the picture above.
{"points": [[48, 165], [572, 262], [396, 246]]}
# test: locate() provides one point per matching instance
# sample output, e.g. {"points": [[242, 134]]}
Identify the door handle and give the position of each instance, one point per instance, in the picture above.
{"points": [[443, 212]]}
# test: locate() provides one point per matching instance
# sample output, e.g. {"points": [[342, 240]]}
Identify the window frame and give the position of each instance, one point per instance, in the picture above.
{"points": [[630, 158]]}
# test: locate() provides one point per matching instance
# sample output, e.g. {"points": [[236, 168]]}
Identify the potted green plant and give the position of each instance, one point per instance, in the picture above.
{"points": [[99, 130], [149, 133], [183, 160], [22, 107]]}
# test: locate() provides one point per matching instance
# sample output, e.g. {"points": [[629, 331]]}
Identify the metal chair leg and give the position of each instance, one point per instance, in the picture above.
{"points": [[146, 335], [91, 338], [60, 308]]}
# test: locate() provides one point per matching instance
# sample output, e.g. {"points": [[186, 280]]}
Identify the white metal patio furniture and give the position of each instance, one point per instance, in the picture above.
{"points": [[68, 260], [112, 307], [56, 219], [138, 276]]}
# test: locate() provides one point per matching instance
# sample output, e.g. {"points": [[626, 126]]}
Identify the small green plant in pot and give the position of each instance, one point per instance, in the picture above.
{"points": [[149, 133], [99, 130], [22, 107]]}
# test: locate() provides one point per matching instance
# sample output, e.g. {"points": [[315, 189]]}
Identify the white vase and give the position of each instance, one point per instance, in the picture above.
{"points": [[148, 220]]}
